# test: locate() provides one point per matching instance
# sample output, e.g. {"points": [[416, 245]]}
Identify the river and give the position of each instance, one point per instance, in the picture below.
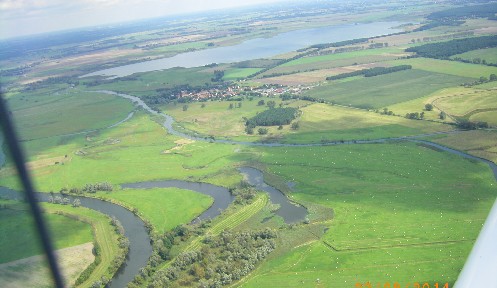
{"points": [[140, 248], [256, 178], [257, 48]]}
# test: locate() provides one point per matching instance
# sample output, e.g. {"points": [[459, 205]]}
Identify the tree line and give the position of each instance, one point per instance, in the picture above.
{"points": [[444, 50], [475, 11], [371, 72]]}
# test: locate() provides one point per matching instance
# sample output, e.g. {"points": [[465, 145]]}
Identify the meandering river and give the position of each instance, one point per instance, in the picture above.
{"points": [[140, 248], [257, 48]]}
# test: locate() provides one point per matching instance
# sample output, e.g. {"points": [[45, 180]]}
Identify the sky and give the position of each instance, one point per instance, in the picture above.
{"points": [[26, 17]]}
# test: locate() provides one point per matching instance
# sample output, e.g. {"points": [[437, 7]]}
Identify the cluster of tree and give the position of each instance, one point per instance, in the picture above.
{"points": [[377, 45], [91, 188], [438, 23], [87, 272], [238, 105], [385, 111], [470, 125], [51, 81], [449, 36], [340, 44], [63, 201], [371, 72], [476, 60], [444, 50], [162, 244], [218, 76], [244, 193], [415, 115], [459, 13], [273, 117], [481, 80], [223, 260]]}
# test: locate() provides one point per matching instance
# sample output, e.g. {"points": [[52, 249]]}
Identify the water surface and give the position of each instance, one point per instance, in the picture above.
{"points": [[257, 48]]}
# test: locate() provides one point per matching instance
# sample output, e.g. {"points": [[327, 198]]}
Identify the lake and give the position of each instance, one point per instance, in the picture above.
{"points": [[257, 48]]}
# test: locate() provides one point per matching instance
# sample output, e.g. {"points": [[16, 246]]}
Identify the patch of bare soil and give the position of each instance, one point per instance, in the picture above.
{"points": [[33, 271]]}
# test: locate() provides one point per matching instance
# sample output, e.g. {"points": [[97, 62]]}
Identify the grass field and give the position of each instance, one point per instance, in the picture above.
{"points": [[16, 223], [489, 55], [239, 73], [467, 101], [322, 122], [490, 117], [218, 120], [104, 234], [147, 83], [448, 67], [384, 90], [395, 220], [72, 261], [67, 112], [338, 60], [340, 56], [164, 208], [132, 152], [480, 143]]}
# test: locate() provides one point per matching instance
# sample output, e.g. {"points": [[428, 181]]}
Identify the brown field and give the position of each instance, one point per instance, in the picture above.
{"points": [[480, 143], [33, 271], [314, 76]]}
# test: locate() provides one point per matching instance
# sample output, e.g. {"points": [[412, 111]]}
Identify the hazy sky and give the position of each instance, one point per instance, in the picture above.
{"points": [[24, 17]]}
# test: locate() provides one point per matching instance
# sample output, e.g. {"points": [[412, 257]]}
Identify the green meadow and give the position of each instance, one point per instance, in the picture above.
{"points": [[489, 55], [147, 83], [59, 113], [104, 235], [137, 150], [165, 208], [17, 223], [391, 215], [323, 122], [384, 90], [448, 67], [239, 73]]}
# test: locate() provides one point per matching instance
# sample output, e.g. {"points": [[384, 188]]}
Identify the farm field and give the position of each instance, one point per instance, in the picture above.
{"points": [[147, 83], [381, 91], [322, 122], [448, 67], [239, 73], [16, 222], [480, 143], [104, 234], [71, 112], [334, 61], [468, 101], [489, 55]]}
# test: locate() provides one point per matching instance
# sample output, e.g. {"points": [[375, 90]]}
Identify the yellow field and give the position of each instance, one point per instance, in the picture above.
{"points": [[341, 118]]}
